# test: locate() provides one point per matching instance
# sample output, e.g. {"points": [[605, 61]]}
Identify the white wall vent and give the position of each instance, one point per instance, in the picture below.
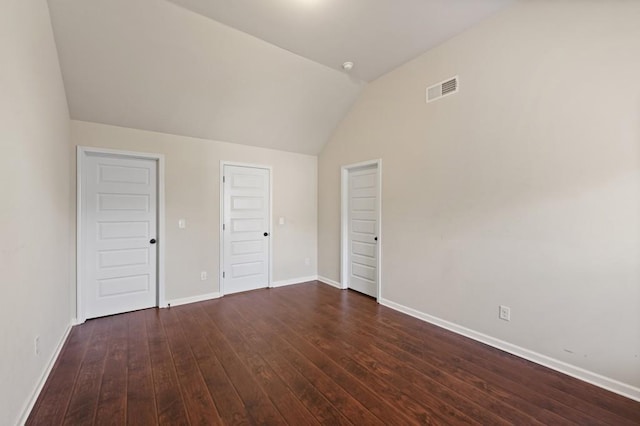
{"points": [[442, 89]]}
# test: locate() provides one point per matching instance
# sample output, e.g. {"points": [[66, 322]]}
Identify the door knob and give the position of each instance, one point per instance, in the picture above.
{"points": [[375, 238], [153, 241], [266, 234]]}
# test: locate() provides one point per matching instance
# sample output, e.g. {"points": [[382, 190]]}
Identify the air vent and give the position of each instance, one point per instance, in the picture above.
{"points": [[442, 89]]}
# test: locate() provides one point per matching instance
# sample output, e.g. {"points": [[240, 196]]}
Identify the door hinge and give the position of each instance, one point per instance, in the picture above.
{"points": [[223, 275], [224, 179], [223, 227]]}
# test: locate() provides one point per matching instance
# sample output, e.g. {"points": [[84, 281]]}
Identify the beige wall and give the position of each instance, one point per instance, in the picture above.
{"points": [[523, 189], [34, 202], [192, 181]]}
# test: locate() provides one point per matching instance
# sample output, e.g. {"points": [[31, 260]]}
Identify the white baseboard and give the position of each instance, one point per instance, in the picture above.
{"points": [[292, 281], [330, 282], [43, 378], [607, 383], [192, 299]]}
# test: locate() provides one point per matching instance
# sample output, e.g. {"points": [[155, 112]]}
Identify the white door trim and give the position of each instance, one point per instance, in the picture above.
{"points": [[344, 219], [221, 250], [81, 152]]}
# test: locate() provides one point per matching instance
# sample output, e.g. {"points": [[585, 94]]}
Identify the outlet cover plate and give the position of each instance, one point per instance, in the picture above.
{"points": [[504, 313]]}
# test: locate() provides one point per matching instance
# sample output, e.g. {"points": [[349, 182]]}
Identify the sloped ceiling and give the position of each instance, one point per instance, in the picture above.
{"points": [[152, 65], [377, 35], [182, 67]]}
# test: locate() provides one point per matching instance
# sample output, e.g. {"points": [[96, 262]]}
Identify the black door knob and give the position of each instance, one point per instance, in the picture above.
{"points": [[153, 241], [266, 234], [375, 238]]}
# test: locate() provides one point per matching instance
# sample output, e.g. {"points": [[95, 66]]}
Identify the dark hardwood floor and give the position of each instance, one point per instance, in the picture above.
{"points": [[303, 355]]}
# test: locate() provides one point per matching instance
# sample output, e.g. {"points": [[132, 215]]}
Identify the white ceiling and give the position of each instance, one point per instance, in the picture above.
{"points": [[191, 67], [377, 35]]}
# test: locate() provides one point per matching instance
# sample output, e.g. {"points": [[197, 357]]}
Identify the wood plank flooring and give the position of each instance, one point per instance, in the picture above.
{"points": [[303, 355]]}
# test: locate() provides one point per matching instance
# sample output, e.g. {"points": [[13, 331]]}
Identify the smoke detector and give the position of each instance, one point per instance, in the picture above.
{"points": [[347, 66]]}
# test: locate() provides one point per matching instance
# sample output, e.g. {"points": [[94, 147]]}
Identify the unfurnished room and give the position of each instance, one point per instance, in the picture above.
{"points": [[302, 212]]}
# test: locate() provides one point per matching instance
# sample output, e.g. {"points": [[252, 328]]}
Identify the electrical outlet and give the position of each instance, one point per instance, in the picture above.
{"points": [[36, 344], [307, 261], [203, 275], [504, 313]]}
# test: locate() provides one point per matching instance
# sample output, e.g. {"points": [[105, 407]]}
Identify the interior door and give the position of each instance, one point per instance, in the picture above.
{"points": [[246, 220], [363, 230], [119, 216]]}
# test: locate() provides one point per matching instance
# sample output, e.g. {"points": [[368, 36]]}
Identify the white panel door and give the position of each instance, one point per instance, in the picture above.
{"points": [[246, 220], [363, 230], [119, 215]]}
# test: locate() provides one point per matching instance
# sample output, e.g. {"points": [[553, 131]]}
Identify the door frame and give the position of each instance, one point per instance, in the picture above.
{"points": [[224, 163], [344, 220], [81, 153]]}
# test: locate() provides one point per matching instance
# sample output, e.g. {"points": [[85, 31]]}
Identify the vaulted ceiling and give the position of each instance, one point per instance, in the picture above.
{"points": [[257, 72]]}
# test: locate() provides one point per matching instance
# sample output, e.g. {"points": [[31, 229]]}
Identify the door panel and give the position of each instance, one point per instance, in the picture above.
{"points": [[119, 218], [363, 230], [246, 220]]}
